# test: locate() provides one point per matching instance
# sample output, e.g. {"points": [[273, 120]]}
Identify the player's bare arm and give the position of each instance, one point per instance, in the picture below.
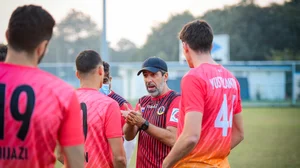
{"points": [[130, 131], [166, 136], [237, 130], [187, 140], [119, 156], [59, 154], [74, 156]]}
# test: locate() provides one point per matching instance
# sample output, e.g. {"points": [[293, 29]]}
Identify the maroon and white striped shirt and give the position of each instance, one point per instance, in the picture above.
{"points": [[160, 111]]}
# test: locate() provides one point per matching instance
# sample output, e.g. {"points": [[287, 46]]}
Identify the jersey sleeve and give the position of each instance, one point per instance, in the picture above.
{"points": [[113, 128], [193, 93], [71, 131], [173, 113], [238, 105]]}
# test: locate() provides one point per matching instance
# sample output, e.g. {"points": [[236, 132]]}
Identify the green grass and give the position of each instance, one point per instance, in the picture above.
{"points": [[272, 139]]}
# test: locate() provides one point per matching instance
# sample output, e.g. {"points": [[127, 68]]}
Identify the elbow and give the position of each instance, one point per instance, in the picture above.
{"points": [[171, 142], [241, 136], [128, 137], [121, 160], [193, 139]]}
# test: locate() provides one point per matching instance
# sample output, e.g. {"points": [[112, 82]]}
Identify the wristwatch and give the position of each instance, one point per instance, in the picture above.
{"points": [[145, 126]]}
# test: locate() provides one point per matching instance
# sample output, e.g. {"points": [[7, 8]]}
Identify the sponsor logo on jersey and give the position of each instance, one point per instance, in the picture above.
{"points": [[174, 115]]}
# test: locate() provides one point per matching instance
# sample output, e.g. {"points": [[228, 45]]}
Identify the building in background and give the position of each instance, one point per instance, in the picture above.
{"points": [[262, 83]]}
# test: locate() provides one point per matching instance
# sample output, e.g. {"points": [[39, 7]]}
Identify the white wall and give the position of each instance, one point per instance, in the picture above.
{"points": [[297, 85], [271, 85]]}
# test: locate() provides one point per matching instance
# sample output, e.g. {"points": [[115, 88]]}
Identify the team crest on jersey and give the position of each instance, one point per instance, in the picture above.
{"points": [[174, 115], [161, 110], [143, 109]]}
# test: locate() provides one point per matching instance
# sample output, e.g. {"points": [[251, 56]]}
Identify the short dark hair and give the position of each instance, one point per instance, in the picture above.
{"points": [[106, 67], [28, 26], [3, 52], [87, 61], [198, 35]]}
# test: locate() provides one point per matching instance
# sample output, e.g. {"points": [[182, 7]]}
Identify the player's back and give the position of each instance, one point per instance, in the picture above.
{"points": [[33, 106], [221, 93], [103, 121]]}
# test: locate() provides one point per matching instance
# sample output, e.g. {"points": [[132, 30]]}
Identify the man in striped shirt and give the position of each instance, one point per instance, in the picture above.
{"points": [[155, 116], [124, 105]]}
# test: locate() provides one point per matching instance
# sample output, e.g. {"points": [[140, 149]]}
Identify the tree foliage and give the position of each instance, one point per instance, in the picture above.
{"points": [[256, 33]]}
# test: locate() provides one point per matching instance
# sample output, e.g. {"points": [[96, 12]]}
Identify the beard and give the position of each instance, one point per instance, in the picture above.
{"points": [[156, 90], [41, 57], [43, 54]]}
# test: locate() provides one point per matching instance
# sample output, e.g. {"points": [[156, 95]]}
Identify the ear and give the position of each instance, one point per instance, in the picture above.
{"points": [[6, 35], [185, 47], [77, 74], [110, 78], [101, 70], [42, 48], [166, 75]]}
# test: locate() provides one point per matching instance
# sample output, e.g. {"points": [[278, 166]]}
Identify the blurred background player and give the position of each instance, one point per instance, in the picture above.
{"points": [[124, 105], [156, 116], [36, 108], [210, 120], [101, 115], [3, 52]]}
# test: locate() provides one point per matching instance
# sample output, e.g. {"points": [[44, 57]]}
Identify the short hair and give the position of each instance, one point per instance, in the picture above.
{"points": [[87, 61], [3, 52], [28, 26], [106, 67], [198, 35]]}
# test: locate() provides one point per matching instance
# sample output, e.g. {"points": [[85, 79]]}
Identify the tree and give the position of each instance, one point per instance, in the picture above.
{"points": [[163, 41], [75, 33], [126, 50]]}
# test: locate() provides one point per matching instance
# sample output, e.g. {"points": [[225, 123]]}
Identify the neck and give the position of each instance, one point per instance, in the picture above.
{"points": [[89, 83], [201, 58], [165, 90], [21, 58]]}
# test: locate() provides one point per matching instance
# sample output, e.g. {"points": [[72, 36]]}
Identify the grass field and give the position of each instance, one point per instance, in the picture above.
{"points": [[272, 139]]}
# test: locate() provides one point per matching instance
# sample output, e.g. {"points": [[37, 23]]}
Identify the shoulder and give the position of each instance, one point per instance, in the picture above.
{"points": [[115, 96], [146, 97], [193, 77], [55, 86]]}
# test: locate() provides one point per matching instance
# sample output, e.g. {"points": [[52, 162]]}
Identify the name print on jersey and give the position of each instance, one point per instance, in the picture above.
{"points": [[220, 82], [7, 153]]}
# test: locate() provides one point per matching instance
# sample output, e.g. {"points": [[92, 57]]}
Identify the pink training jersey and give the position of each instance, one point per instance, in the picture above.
{"points": [[213, 91], [101, 121], [121, 101], [36, 110]]}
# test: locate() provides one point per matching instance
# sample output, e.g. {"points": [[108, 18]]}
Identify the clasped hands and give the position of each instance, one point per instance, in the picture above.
{"points": [[133, 117]]}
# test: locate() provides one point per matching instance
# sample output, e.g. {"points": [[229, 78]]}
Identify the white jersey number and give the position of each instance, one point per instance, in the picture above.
{"points": [[222, 120]]}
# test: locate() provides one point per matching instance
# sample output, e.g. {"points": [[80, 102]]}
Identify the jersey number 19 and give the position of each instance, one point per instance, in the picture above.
{"points": [[23, 117]]}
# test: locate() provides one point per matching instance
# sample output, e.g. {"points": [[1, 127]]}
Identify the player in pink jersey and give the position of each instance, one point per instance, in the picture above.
{"points": [[36, 108], [101, 115], [124, 105], [210, 120]]}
